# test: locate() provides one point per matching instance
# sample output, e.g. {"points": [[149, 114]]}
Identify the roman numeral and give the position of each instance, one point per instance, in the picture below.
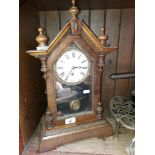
{"points": [[73, 54], [84, 67], [79, 57], [62, 61], [82, 73], [66, 55], [83, 61], [72, 74], [59, 68], [62, 74]]}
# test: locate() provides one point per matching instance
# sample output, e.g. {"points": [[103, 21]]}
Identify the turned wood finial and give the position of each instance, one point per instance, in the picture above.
{"points": [[74, 10], [40, 30], [41, 38], [103, 38], [73, 2]]}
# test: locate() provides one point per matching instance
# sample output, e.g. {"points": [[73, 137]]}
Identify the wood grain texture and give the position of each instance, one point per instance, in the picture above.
{"points": [[84, 15], [31, 97], [21, 146], [132, 69], [125, 50], [82, 4], [52, 24], [64, 17], [100, 131], [96, 21], [112, 30]]}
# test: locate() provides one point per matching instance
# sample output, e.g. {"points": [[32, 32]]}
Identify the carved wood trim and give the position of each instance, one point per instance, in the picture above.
{"points": [[94, 57], [95, 41], [52, 45], [75, 26], [49, 124], [56, 53], [101, 61], [58, 37], [43, 66], [99, 111], [51, 93]]}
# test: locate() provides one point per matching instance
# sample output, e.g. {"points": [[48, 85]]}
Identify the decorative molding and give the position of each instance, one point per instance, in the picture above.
{"points": [[49, 120], [75, 26], [92, 37], [74, 128], [101, 62], [99, 111], [52, 45], [44, 67]]}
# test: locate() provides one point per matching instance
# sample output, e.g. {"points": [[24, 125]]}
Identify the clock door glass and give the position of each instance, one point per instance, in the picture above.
{"points": [[73, 74]]}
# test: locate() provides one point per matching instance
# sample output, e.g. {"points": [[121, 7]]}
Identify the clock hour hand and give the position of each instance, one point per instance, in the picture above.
{"points": [[79, 67]]}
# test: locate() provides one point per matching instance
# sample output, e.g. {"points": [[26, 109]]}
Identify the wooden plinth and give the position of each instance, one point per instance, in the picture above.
{"points": [[52, 139]]}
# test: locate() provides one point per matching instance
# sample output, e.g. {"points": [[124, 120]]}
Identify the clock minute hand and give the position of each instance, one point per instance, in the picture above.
{"points": [[70, 72]]}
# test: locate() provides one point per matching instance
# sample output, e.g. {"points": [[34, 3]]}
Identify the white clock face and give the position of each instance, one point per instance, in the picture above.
{"points": [[72, 67]]}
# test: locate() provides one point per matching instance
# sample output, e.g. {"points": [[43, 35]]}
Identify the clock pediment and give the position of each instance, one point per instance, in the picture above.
{"points": [[86, 34], [76, 41]]}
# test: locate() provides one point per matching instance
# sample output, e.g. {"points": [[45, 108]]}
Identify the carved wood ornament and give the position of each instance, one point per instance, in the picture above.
{"points": [[75, 34]]}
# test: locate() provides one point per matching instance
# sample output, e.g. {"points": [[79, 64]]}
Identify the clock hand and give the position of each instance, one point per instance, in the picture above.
{"points": [[83, 67], [73, 67], [78, 67]]}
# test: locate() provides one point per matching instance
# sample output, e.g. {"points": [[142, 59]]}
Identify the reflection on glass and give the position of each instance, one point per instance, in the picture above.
{"points": [[73, 99]]}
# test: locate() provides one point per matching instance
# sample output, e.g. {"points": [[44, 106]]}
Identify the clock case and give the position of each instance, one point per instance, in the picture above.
{"points": [[53, 132]]}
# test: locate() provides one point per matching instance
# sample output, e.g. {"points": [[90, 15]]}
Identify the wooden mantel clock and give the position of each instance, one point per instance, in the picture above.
{"points": [[72, 65]]}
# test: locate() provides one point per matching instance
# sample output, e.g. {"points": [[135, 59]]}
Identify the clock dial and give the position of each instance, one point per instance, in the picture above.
{"points": [[72, 67]]}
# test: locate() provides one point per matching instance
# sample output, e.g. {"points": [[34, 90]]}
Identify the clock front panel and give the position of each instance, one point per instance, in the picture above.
{"points": [[73, 73]]}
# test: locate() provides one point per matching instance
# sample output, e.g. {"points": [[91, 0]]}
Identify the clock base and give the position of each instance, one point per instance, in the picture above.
{"points": [[51, 139]]}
